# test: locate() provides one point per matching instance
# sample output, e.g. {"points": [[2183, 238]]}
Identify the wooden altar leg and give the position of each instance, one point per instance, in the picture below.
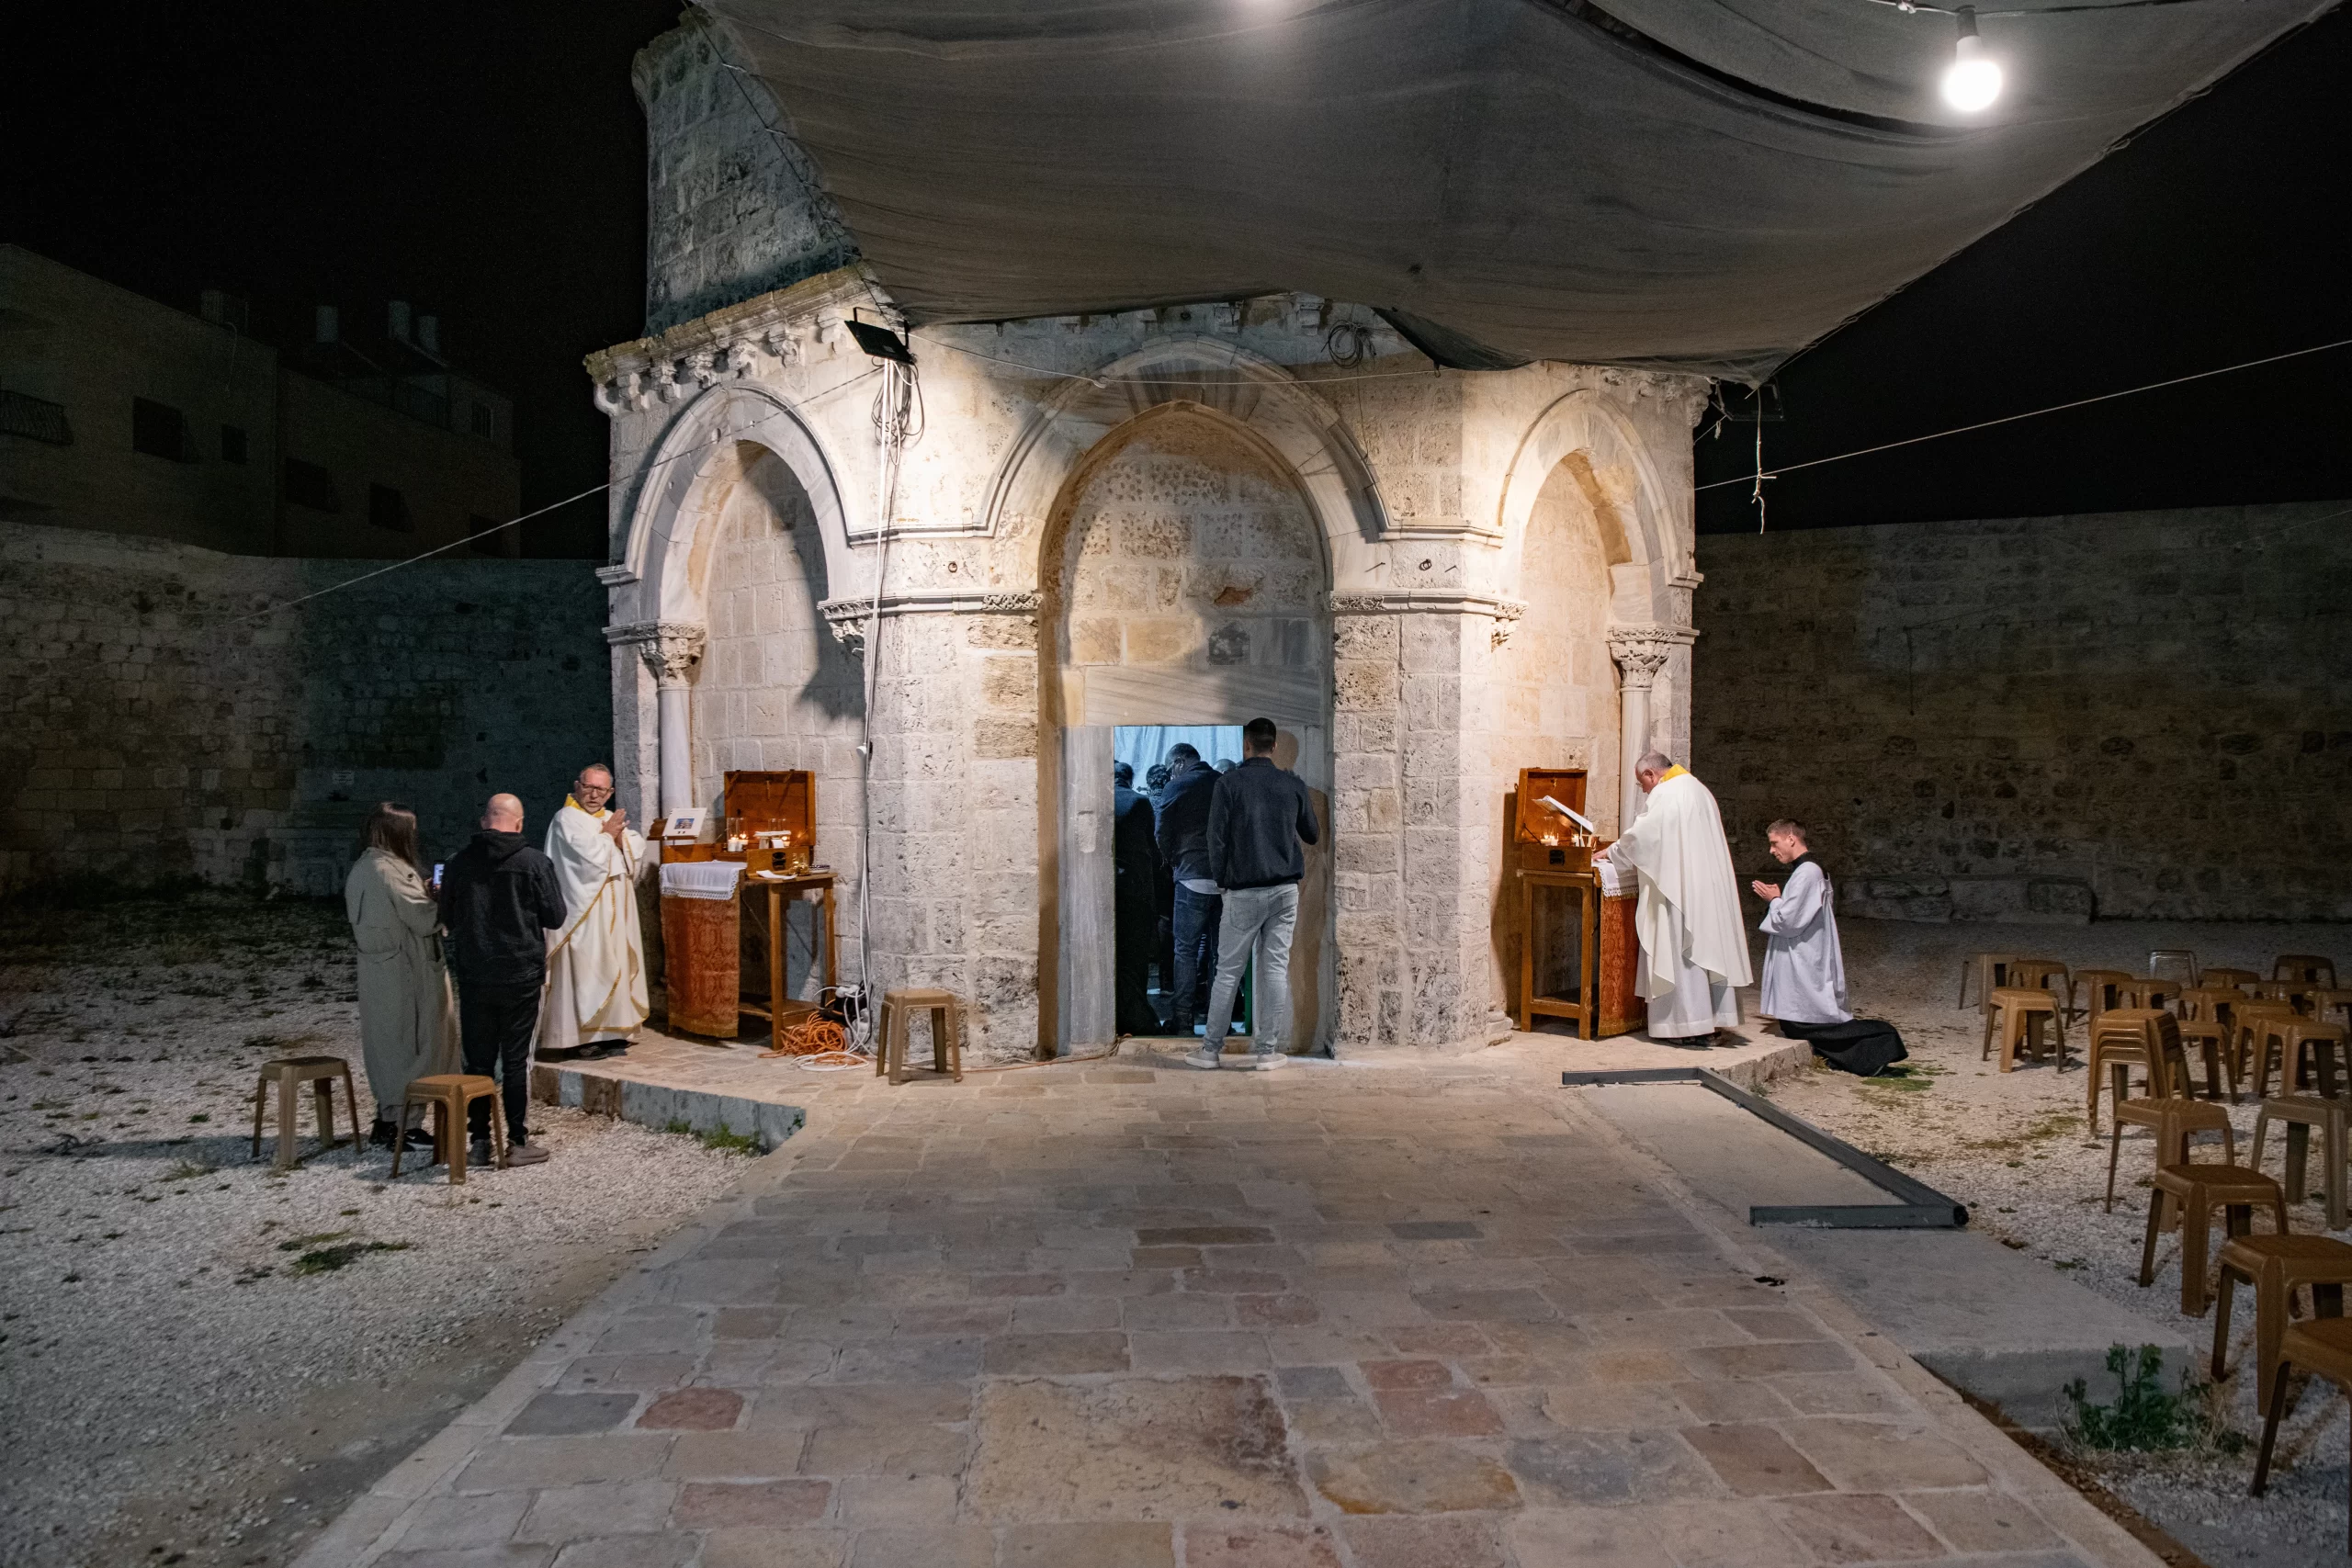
{"points": [[832, 973], [1588, 959], [1526, 952], [775, 966]]}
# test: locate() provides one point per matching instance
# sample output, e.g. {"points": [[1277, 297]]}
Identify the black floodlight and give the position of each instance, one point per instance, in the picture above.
{"points": [[881, 343]]}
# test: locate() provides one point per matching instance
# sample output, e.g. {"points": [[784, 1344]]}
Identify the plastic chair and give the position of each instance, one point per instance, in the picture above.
{"points": [[2277, 1266], [2199, 1189], [2178, 958], [2304, 969], [2301, 1112], [2021, 1010]]}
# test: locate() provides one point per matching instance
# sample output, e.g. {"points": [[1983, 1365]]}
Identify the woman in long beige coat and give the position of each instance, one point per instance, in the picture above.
{"points": [[408, 1025]]}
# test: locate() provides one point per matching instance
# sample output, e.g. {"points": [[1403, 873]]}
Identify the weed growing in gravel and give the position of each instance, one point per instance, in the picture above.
{"points": [[2144, 1416], [188, 1170], [326, 1259], [730, 1143]]}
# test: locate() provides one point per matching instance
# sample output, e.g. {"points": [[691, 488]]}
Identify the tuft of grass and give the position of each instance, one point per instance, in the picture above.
{"points": [[730, 1143], [304, 1243], [188, 1170], [327, 1260]]}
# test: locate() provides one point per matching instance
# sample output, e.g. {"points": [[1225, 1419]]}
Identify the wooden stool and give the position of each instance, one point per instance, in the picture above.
{"points": [[2318, 1047], [2322, 1348], [289, 1074], [2304, 969], [452, 1096], [946, 1031], [2098, 991], [2277, 1266], [2201, 1189], [2022, 1010], [2301, 1112], [2230, 977], [2179, 958]]}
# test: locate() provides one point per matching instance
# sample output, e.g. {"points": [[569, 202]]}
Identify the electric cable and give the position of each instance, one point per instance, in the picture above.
{"points": [[2030, 413], [731, 434]]}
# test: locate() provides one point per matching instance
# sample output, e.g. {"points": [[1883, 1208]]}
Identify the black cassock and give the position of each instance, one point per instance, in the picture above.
{"points": [[1861, 1046]]}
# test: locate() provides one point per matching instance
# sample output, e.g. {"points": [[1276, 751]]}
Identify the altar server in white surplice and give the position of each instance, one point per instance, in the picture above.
{"points": [[596, 987], [1694, 947], [1804, 968]]}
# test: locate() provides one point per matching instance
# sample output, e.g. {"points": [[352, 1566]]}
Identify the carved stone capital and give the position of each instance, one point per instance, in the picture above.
{"points": [[1507, 613], [846, 618], [1642, 651], [669, 649]]}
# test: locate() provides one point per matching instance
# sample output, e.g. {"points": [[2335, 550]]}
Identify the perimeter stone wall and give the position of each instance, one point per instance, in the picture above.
{"points": [[2136, 714], [150, 729]]}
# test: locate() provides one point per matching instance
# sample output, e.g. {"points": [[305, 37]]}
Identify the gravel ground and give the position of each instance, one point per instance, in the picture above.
{"points": [[201, 1359], [2016, 1150]]}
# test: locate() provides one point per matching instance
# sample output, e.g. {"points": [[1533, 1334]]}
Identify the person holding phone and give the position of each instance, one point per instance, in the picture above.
{"points": [[408, 1024]]}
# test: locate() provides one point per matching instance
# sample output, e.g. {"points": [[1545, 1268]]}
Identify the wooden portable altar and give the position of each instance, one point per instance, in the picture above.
{"points": [[1560, 893], [711, 944]]}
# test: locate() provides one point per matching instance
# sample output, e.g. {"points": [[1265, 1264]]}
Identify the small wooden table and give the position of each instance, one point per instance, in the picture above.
{"points": [[1585, 887], [781, 1009]]}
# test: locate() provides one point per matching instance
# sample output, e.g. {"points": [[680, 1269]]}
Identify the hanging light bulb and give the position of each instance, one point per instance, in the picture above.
{"points": [[1971, 81]]}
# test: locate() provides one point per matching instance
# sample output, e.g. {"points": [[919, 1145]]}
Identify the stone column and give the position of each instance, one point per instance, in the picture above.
{"points": [[670, 651], [1640, 652]]}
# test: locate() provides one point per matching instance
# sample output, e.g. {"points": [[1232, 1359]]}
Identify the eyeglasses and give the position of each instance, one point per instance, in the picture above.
{"points": [[594, 789]]}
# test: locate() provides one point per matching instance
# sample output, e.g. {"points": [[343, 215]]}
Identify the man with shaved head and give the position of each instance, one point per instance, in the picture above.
{"points": [[500, 898]]}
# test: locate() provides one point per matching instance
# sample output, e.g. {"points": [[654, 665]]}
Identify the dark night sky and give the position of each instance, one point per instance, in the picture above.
{"points": [[487, 164]]}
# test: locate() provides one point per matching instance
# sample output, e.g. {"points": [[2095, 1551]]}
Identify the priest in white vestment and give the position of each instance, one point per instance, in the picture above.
{"points": [[1694, 945], [596, 984]]}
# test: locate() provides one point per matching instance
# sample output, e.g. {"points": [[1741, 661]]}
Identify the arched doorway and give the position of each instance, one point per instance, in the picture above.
{"points": [[1184, 581]]}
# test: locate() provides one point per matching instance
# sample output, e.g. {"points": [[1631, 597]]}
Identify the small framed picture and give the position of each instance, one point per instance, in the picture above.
{"points": [[685, 824]]}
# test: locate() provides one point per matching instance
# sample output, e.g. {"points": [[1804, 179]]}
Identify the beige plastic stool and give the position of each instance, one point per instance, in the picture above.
{"points": [[2022, 1010], [2090, 992], [2228, 978], [452, 1095], [2277, 1266], [2304, 969], [2301, 1112], [2179, 958], [946, 1031], [289, 1074]]}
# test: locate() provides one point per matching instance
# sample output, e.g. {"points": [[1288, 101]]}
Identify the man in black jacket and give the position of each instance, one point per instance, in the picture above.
{"points": [[1259, 817], [499, 899], [1135, 865], [1183, 843]]}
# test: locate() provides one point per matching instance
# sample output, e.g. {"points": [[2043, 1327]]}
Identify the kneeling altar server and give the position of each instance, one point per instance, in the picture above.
{"points": [[596, 984], [1804, 967]]}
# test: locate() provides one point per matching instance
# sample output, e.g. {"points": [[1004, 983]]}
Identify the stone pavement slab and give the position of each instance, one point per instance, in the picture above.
{"points": [[1339, 1316]]}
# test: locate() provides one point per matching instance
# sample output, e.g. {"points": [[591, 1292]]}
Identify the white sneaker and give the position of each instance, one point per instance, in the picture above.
{"points": [[1267, 1061], [1207, 1057]]}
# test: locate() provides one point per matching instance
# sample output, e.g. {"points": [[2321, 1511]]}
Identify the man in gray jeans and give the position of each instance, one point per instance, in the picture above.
{"points": [[1258, 818]]}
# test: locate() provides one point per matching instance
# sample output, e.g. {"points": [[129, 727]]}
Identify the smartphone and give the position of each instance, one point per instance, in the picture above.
{"points": [[436, 875]]}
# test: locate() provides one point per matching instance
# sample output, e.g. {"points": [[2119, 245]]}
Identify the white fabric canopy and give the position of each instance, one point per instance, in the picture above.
{"points": [[1701, 185]]}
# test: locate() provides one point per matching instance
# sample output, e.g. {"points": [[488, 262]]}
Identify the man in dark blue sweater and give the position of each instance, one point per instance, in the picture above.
{"points": [[1183, 844], [1259, 817]]}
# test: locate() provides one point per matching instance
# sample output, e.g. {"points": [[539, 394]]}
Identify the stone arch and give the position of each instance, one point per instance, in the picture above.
{"points": [[1610, 468], [688, 478], [1184, 578], [1269, 406]]}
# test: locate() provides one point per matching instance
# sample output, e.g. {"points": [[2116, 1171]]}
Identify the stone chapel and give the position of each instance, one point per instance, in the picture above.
{"points": [[1197, 513]]}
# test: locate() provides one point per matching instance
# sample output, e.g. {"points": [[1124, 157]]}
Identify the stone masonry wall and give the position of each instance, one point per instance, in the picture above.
{"points": [[153, 729], [730, 213], [2147, 714]]}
